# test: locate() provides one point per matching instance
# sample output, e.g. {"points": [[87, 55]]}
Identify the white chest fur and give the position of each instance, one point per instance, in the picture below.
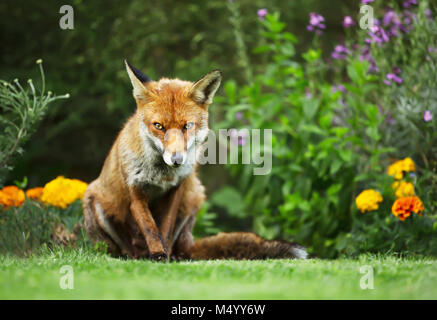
{"points": [[151, 170]]}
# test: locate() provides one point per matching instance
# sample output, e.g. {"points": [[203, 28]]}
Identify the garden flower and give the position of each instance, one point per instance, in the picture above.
{"points": [[368, 200], [11, 196], [392, 22], [340, 52], [392, 77], [316, 23], [409, 3], [408, 18], [238, 137], [308, 93], [348, 22], [365, 55], [403, 207], [377, 35], [398, 168], [366, 1], [427, 117], [34, 193], [262, 13], [339, 87], [403, 189], [61, 192], [239, 115]]}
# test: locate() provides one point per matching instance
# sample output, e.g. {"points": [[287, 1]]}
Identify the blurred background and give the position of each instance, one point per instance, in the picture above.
{"points": [[183, 39]]}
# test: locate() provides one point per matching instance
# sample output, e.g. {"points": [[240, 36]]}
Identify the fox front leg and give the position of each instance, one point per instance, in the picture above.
{"points": [[169, 217], [183, 238], [143, 218]]}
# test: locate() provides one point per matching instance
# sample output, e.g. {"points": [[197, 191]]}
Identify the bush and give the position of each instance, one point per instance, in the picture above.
{"points": [[21, 112], [25, 229], [337, 125]]}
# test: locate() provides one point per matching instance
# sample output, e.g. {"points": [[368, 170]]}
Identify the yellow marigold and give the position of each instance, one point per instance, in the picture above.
{"points": [[398, 168], [61, 192], [368, 200], [11, 196], [403, 207], [403, 189], [35, 193]]}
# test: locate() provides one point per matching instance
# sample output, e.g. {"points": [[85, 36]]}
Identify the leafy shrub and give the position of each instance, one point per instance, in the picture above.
{"points": [[21, 112], [333, 134], [26, 228]]}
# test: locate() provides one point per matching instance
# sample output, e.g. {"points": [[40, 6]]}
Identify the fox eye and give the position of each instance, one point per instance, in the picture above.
{"points": [[188, 125], [158, 126]]}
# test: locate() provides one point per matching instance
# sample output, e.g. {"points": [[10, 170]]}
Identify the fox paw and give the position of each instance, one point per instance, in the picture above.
{"points": [[159, 256]]}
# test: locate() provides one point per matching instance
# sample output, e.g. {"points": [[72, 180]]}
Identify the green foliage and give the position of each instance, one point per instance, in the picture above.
{"points": [[183, 39], [26, 229], [330, 143], [21, 110], [205, 222]]}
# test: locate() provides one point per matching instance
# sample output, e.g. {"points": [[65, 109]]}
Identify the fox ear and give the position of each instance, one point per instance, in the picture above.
{"points": [[138, 79], [204, 89]]}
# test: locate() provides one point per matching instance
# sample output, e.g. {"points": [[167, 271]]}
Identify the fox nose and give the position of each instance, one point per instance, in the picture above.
{"points": [[177, 158]]}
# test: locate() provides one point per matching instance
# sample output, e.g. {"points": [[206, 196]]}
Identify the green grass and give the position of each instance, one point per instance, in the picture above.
{"points": [[98, 276]]}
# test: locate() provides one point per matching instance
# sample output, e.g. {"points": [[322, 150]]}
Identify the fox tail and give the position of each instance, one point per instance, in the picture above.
{"points": [[244, 246]]}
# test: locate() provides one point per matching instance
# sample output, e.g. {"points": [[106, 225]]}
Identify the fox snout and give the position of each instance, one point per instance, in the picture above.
{"points": [[174, 148], [177, 158], [173, 159]]}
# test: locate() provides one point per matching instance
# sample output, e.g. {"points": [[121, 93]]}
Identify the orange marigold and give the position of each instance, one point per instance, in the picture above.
{"points": [[403, 207], [35, 193], [11, 196]]}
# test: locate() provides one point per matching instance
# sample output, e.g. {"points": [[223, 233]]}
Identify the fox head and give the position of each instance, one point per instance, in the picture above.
{"points": [[173, 113]]}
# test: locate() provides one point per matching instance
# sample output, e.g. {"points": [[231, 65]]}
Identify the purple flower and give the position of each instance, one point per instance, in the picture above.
{"points": [[392, 77], [432, 50], [365, 55], [239, 115], [373, 68], [407, 18], [337, 88], [388, 118], [238, 136], [348, 22], [409, 3], [308, 93], [262, 13], [366, 1], [427, 116], [340, 52], [428, 13], [377, 35], [316, 23]]}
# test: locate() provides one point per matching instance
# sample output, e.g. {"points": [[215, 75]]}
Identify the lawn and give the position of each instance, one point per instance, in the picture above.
{"points": [[97, 276]]}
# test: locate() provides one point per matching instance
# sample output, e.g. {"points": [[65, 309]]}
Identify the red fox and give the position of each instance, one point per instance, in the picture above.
{"points": [[145, 201]]}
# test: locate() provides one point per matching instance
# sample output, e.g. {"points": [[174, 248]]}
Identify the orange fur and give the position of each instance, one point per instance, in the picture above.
{"points": [[120, 208]]}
